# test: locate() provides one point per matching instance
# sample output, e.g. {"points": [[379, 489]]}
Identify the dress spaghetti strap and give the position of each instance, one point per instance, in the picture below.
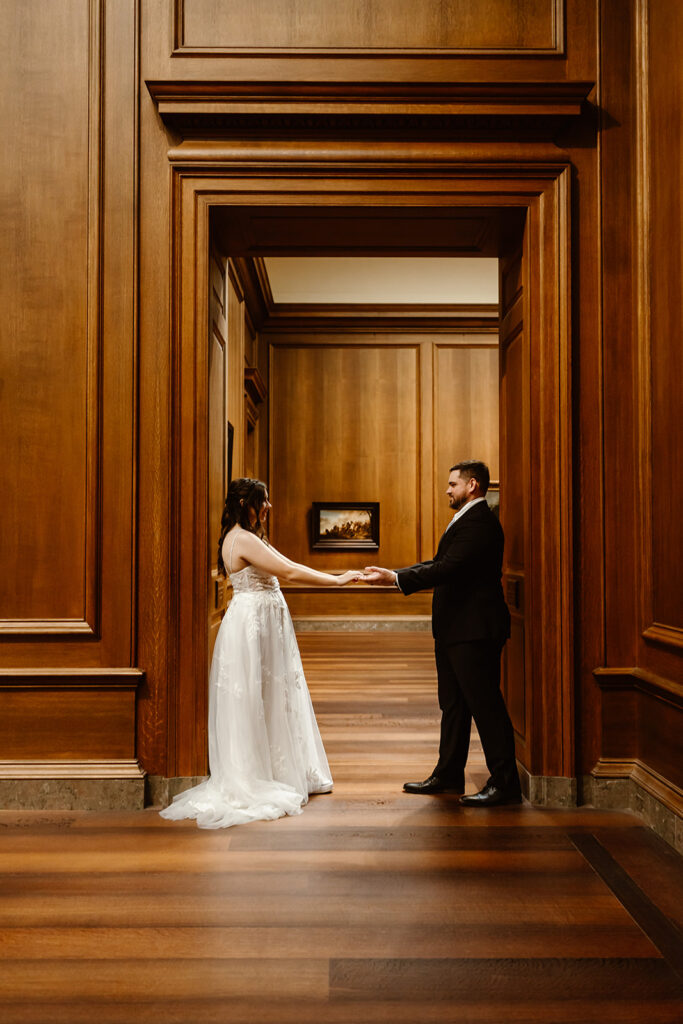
{"points": [[232, 547]]}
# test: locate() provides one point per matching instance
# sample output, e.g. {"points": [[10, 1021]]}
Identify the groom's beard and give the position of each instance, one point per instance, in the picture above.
{"points": [[457, 503]]}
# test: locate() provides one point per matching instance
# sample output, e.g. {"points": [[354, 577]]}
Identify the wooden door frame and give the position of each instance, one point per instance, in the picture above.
{"points": [[290, 173]]}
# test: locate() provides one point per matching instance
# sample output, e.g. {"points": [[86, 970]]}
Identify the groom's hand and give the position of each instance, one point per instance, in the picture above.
{"points": [[378, 577]]}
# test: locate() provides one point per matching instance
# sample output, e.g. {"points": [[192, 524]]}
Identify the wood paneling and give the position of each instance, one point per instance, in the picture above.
{"points": [[514, 507], [461, 26], [50, 345], [92, 720], [218, 434], [638, 707], [345, 427], [661, 312], [465, 414], [67, 415], [641, 723]]}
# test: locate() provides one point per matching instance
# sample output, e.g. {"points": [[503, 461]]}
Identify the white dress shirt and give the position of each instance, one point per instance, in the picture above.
{"points": [[458, 515]]}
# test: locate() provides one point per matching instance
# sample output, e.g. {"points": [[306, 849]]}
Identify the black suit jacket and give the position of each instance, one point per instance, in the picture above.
{"points": [[468, 602]]}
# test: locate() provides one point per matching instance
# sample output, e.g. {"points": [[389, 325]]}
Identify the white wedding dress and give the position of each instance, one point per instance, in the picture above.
{"points": [[265, 751]]}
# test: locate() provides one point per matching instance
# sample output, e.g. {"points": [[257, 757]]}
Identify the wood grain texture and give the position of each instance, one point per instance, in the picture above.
{"points": [[660, 311], [347, 25], [51, 342], [514, 476], [465, 415], [404, 908], [345, 427], [67, 415]]}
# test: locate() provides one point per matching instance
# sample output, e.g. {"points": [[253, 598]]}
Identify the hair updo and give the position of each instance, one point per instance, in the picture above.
{"points": [[243, 494]]}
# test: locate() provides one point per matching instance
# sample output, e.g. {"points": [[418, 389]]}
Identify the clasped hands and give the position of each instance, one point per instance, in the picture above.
{"points": [[372, 574]]}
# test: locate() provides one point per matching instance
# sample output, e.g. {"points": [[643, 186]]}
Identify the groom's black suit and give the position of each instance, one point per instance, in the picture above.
{"points": [[470, 623]]}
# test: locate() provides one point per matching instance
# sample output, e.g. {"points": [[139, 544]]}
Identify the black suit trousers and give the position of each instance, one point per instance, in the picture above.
{"points": [[469, 688]]}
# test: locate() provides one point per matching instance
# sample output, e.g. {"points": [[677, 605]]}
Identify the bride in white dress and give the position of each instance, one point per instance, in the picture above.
{"points": [[265, 751]]}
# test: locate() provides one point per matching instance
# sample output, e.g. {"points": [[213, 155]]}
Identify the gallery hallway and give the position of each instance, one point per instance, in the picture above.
{"points": [[370, 906]]}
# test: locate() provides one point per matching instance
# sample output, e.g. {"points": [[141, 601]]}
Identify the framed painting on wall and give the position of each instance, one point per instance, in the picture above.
{"points": [[493, 497], [345, 525]]}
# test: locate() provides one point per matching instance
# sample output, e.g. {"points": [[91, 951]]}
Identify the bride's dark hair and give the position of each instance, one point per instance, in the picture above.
{"points": [[243, 494]]}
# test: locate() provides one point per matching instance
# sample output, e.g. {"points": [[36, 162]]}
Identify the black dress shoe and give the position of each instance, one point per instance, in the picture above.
{"points": [[491, 796], [431, 785]]}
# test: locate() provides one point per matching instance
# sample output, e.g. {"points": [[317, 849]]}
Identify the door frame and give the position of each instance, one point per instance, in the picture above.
{"points": [[310, 173]]}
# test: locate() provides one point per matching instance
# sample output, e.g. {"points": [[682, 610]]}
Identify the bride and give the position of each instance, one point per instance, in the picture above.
{"points": [[265, 751]]}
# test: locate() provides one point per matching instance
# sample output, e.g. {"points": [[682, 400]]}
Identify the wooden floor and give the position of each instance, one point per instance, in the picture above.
{"points": [[371, 906]]}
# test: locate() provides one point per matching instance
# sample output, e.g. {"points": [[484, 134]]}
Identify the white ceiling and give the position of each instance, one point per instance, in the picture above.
{"points": [[368, 279]]}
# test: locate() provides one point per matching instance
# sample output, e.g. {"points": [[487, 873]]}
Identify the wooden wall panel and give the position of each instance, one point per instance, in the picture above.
{"points": [[464, 26], [465, 414], [49, 344], [639, 704], [514, 458], [662, 28], [345, 427], [84, 722], [68, 351], [218, 434]]}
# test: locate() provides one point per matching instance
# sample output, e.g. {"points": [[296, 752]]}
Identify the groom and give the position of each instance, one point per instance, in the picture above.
{"points": [[470, 623]]}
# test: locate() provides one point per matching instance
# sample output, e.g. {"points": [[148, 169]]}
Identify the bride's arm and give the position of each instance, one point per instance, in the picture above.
{"points": [[267, 559]]}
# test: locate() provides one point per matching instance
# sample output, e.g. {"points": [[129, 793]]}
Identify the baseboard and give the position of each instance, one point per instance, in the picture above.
{"points": [[548, 790], [159, 791], [72, 785], [631, 785], [362, 623]]}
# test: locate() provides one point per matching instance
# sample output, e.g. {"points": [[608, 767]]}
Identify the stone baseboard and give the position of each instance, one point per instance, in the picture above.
{"points": [[159, 791], [632, 786], [362, 624], [547, 790], [71, 786]]}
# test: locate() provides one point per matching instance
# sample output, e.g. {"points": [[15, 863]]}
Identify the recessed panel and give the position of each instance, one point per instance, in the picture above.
{"points": [[456, 25], [465, 414], [344, 427], [48, 375]]}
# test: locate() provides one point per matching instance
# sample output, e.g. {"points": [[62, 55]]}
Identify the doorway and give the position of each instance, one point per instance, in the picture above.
{"points": [[528, 206]]}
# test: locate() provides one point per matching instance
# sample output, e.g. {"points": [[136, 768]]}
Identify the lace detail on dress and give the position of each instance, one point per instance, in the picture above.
{"points": [[251, 579]]}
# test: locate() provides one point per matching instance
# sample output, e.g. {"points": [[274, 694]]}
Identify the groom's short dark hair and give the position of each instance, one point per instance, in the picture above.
{"points": [[472, 468]]}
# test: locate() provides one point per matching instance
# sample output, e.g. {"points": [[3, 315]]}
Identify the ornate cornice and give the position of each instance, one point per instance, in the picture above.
{"points": [[191, 107]]}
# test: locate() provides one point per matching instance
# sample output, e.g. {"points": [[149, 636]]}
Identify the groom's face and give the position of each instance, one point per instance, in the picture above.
{"points": [[458, 490]]}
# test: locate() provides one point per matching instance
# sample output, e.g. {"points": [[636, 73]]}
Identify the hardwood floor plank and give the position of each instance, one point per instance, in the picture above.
{"points": [[147, 979], [339, 939], [503, 980], [482, 904], [268, 1011]]}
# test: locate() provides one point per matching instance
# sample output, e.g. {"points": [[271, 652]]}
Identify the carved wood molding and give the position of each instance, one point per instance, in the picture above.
{"points": [[496, 99], [639, 679], [192, 106], [255, 393], [497, 159], [669, 636], [384, 319], [58, 769], [47, 627], [68, 678]]}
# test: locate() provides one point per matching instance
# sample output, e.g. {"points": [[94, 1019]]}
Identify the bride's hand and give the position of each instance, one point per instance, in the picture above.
{"points": [[352, 576]]}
